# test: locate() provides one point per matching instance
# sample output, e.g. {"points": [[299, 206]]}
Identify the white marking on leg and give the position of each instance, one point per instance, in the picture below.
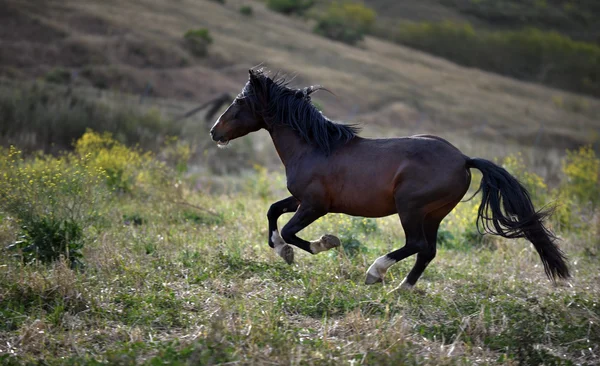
{"points": [[380, 267], [324, 243], [282, 249], [277, 239]]}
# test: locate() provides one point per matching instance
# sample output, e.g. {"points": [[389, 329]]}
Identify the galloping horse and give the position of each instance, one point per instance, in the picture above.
{"points": [[329, 168]]}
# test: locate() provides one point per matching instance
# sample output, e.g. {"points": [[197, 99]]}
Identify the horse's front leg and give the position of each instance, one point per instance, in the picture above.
{"points": [[277, 209], [306, 215]]}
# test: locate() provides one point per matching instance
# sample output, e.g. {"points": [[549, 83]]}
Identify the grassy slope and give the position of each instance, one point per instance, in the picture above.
{"points": [[130, 44]]}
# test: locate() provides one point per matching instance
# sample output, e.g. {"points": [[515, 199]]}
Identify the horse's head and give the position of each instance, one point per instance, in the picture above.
{"points": [[243, 115]]}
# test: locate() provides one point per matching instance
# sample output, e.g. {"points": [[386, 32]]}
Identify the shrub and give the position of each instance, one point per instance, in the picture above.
{"points": [[53, 199], [347, 22], [58, 75], [127, 170], [197, 41], [289, 7], [246, 10], [535, 55], [582, 172]]}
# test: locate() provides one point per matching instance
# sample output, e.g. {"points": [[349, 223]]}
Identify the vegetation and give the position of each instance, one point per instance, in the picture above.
{"points": [[181, 276], [573, 18], [246, 10], [290, 7], [545, 57], [58, 75], [345, 22], [41, 117], [53, 200], [197, 41]]}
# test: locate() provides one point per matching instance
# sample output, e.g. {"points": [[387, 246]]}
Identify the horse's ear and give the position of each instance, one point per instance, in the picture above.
{"points": [[251, 73]]}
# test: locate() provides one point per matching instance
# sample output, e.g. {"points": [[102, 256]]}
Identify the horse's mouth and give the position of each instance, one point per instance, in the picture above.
{"points": [[222, 143]]}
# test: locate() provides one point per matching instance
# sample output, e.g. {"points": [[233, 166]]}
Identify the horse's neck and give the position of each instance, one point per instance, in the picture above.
{"points": [[287, 143]]}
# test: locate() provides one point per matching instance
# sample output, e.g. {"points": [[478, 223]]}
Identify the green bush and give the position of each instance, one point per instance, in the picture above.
{"points": [[127, 170], [347, 22], [289, 7], [246, 10], [535, 55], [582, 171], [53, 199], [197, 41]]}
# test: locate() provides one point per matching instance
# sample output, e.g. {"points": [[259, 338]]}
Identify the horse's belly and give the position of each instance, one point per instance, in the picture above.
{"points": [[366, 203]]}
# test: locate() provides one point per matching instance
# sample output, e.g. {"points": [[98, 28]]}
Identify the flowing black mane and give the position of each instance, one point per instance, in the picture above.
{"points": [[277, 103]]}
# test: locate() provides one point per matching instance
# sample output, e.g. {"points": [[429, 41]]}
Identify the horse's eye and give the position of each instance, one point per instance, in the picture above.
{"points": [[239, 101]]}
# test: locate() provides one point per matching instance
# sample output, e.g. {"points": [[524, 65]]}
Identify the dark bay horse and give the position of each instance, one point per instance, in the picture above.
{"points": [[329, 168]]}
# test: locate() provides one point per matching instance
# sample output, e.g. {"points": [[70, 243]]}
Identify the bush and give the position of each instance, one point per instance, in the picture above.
{"points": [[347, 22], [545, 57], [58, 76], [53, 200], [289, 7], [197, 41], [246, 10], [582, 172], [127, 170]]}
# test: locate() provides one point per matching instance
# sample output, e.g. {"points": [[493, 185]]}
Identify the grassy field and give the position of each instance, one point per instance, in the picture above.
{"points": [[178, 271], [113, 255]]}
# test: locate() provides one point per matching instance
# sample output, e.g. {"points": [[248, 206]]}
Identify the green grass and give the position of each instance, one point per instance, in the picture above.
{"points": [[212, 291]]}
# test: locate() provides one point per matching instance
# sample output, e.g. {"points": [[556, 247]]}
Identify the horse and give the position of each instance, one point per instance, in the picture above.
{"points": [[331, 169]]}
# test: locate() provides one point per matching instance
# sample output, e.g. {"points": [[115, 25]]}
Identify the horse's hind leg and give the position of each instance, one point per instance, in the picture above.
{"points": [[289, 204], [426, 255], [412, 222]]}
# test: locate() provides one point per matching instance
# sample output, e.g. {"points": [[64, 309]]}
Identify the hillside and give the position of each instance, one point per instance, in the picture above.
{"points": [[138, 45]]}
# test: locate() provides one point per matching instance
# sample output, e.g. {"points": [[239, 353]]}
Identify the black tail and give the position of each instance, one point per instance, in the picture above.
{"points": [[506, 210]]}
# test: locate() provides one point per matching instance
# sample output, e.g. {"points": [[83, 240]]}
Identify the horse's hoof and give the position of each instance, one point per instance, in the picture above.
{"points": [[330, 241], [372, 279], [324, 243], [286, 252]]}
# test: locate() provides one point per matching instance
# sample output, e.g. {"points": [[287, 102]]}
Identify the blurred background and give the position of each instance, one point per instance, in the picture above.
{"points": [[493, 77]]}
